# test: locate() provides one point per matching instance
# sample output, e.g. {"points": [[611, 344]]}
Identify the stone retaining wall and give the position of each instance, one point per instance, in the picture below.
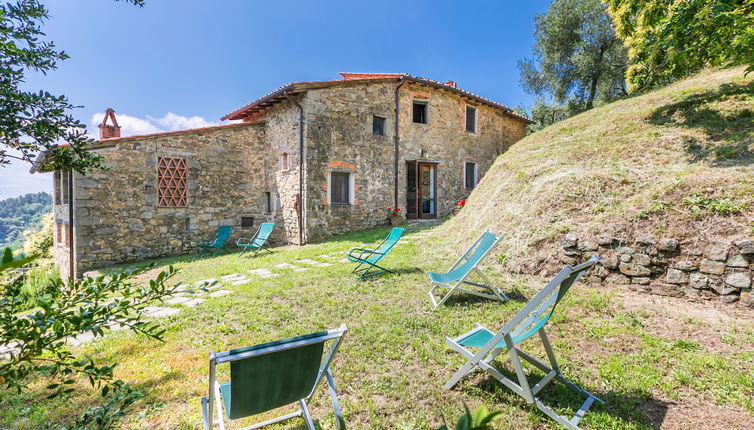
{"points": [[719, 269]]}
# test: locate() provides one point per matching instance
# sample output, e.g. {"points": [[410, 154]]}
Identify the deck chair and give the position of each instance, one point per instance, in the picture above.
{"points": [[216, 245], [530, 320], [258, 242], [367, 259], [271, 375], [457, 275]]}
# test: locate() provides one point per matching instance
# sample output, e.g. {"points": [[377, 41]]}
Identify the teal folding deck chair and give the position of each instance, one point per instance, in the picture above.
{"points": [[530, 320], [258, 242], [271, 375], [457, 275], [216, 245], [367, 259]]}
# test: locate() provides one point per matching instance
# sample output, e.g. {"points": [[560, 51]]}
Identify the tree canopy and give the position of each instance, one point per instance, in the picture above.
{"points": [[578, 58], [670, 39], [18, 214]]}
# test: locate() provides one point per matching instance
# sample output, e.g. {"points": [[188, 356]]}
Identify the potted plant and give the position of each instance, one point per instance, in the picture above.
{"points": [[396, 216], [459, 206]]}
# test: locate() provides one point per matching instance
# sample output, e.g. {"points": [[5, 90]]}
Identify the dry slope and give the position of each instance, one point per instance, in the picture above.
{"points": [[676, 162]]}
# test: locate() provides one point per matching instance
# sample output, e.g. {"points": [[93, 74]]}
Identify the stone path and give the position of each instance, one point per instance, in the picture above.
{"points": [[190, 296]]}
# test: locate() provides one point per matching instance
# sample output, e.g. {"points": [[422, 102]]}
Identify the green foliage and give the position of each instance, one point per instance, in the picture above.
{"points": [[655, 207], [670, 39], [34, 122], [89, 306], [7, 256], [719, 206], [544, 114], [480, 419], [39, 241], [577, 56], [34, 282], [22, 213]]}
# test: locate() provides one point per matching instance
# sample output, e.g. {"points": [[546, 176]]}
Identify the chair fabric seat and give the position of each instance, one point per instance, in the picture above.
{"points": [[265, 382], [443, 278]]}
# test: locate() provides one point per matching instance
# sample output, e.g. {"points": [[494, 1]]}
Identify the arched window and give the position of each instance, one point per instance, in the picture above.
{"points": [[284, 161]]}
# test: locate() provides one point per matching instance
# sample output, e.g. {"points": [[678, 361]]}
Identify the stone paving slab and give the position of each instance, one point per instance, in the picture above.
{"points": [[344, 260], [241, 281], [312, 262], [206, 281], [231, 277], [327, 256], [262, 272], [178, 300], [291, 266], [219, 293], [159, 312], [193, 302]]}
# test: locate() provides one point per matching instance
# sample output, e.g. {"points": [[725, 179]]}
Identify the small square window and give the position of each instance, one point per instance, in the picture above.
{"points": [[470, 175], [471, 119], [378, 125], [340, 188], [247, 221], [420, 112]]}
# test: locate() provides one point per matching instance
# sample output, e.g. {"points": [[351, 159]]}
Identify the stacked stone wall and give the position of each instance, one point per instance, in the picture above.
{"points": [[717, 270]]}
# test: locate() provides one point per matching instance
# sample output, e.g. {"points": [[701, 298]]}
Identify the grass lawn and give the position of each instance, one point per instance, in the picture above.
{"points": [[656, 362]]}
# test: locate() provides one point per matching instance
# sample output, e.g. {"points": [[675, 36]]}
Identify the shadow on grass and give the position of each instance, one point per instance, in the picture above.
{"points": [[619, 410], [717, 113]]}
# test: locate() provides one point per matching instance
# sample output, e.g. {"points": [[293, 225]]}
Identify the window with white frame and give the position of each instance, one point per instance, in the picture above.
{"points": [[470, 175], [340, 188]]}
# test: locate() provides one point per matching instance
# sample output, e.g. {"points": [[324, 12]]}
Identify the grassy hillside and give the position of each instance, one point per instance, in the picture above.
{"points": [[676, 162], [22, 213]]}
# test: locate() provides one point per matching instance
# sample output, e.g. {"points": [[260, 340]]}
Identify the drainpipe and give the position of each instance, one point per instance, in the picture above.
{"points": [[300, 167], [71, 263], [396, 139]]}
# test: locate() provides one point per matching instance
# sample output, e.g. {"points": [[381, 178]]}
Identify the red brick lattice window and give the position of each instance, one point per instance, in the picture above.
{"points": [[171, 182]]}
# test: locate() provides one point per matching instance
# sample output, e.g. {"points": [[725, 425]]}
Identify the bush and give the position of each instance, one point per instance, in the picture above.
{"points": [[7, 256]]}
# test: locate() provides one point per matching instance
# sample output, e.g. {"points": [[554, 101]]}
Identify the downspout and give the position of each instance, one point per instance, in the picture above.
{"points": [[300, 167], [71, 263], [396, 140]]}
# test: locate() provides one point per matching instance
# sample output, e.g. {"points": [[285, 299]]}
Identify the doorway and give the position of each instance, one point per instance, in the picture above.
{"points": [[421, 190]]}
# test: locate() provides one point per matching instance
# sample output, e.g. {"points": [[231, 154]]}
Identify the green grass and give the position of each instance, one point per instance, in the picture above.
{"points": [[393, 362]]}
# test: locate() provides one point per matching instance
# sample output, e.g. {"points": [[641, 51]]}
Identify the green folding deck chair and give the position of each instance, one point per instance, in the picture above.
{"points": [[367, 259], [216, 245], [271, 375], [457, 275], [258, 242], [528, 321]]}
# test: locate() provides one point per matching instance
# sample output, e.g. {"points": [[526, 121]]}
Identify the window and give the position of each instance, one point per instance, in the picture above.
{"points": [[470, 175], [284, 161], [171, 183], [340, 188], [247, 221], [378, 125], [57, 187], [59, 230], [420, 112], [268, 201], [64, 187], [471, 119]]}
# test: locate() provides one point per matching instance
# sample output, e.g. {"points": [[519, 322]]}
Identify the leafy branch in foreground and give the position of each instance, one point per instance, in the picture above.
{"points": [[480, 419], [88, 306]]}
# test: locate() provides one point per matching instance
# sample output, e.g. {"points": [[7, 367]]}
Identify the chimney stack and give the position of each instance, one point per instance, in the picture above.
{"points": [[451, 84], [109, 131]]}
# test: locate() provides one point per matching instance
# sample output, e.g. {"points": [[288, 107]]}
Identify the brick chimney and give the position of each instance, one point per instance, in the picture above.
{"points": [[451, 84], [109, 131]]}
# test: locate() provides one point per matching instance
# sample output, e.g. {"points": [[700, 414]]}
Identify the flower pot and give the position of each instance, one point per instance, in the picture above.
{"points": [[395, 221]]}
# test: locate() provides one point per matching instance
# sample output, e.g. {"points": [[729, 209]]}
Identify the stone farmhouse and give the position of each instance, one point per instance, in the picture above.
{"points": [[317, 158]]}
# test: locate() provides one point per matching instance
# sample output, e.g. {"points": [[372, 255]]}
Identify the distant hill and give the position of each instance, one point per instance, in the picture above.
{"points": [[22, 213], [675, 162]]}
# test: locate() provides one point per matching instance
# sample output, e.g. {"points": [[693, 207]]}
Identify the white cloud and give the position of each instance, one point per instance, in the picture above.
{"points": [[132, 125]]}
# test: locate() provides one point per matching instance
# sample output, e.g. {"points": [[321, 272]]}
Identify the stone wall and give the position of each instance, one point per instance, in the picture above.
{"points": [[117, 218], [444, 140], [719, 269]]}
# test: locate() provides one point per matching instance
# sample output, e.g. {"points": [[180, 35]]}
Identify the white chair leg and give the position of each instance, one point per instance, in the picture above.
{"points": [[305, 414]]}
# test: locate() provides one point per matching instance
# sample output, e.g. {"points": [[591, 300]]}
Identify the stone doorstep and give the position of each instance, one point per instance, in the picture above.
{"points": [[219, 293]]}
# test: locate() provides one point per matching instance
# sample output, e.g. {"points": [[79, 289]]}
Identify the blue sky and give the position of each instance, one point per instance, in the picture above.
{"points": [[184, 63]]}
